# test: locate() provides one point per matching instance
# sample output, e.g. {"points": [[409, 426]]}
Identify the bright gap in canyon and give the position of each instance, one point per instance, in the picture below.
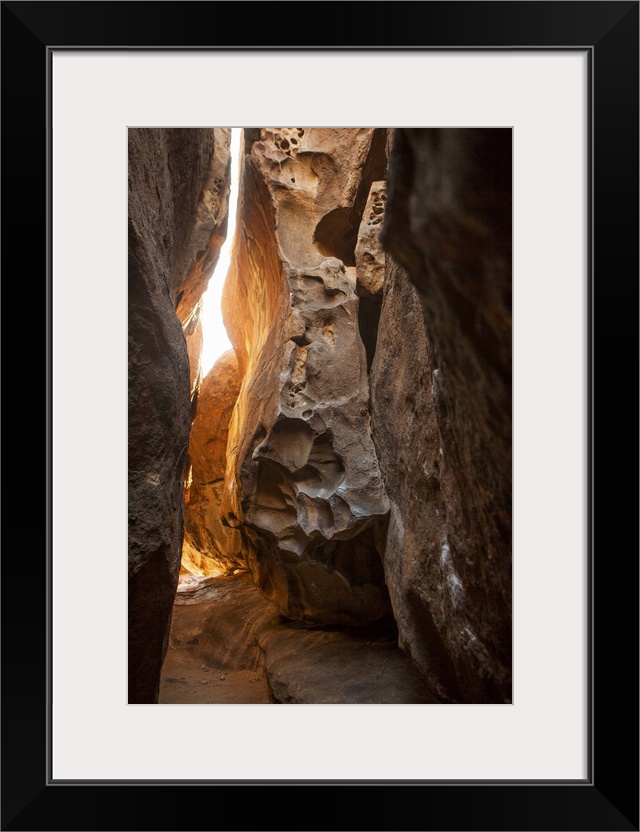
{"points": [[215, 340], [320, 506]]}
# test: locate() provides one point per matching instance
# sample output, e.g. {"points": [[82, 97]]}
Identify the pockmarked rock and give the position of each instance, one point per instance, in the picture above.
{"points": [[370, 255], [303, 484]]}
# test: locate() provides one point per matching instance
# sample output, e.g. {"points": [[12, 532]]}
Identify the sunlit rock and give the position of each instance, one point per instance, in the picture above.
{"points": [[303, 483], [210, 547]]}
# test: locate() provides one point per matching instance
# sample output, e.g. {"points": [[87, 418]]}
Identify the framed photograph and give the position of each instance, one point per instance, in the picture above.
{"points": [[562, 78]]}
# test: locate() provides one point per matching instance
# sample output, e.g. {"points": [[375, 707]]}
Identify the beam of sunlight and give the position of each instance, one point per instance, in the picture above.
{"points": [[215, 340]]}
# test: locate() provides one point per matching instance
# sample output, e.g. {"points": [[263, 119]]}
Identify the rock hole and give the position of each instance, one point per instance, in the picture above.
{"points": [[301, 340], [336, 235]]}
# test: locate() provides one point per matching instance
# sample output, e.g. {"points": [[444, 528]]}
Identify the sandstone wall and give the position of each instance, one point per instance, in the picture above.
{"points": [[210, 547], [368, 456], [303, 483], [178, 194], [441, 403]]}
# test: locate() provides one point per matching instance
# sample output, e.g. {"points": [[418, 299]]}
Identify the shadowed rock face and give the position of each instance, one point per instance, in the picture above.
{"points": [[193, 336], [371, 264], [441, 405], [173, 215], [328, 464], [303, 483], [210, 547]]}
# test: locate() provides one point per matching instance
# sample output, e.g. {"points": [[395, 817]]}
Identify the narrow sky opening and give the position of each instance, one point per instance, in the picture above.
{"points": [[215, 340]]}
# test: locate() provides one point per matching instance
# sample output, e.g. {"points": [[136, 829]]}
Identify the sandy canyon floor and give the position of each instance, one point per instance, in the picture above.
{"points": [[229, 645]]}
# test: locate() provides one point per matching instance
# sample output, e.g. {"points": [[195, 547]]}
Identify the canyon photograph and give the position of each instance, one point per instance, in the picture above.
{"points": [[321, 512]]}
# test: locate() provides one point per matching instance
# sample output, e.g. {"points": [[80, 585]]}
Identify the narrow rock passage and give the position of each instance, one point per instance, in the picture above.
{"points": [[351, 460], [228, 645]]}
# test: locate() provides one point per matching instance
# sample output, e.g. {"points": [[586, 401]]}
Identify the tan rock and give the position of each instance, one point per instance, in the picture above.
{"points": [[209, 547], [193, 335], [302, 481], [223, 626], [370, 258], [369, 253]]}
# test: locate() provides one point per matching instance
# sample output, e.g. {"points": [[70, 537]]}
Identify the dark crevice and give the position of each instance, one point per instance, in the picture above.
{"points": [[368, 321]]}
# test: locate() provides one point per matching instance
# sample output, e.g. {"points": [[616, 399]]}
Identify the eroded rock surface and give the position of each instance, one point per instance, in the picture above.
{"points": [[333, 276], [210, 547], [193, 336], [172, 172], [441, 402], [226, 635], [370, 255], [371, 265], [303, 482], [205, 227]]}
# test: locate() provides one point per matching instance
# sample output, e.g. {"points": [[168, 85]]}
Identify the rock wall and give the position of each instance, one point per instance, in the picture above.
{"points": [[210, 547], [178, 194], [367, 466], [302, 482], [371, 264], [193, 336], [441, 404]]}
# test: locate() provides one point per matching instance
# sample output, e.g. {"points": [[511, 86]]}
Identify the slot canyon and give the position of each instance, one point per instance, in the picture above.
{"points": [[325, 515]]}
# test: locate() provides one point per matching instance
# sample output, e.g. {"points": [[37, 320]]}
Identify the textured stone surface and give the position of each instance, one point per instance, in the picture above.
{"points": [[302, 482], [223, 627], [193, 336], [169, 175], [206, 229], [209, 547], [369, 254], [370, 258], [441, 402], [312, 507], [411, 456]]}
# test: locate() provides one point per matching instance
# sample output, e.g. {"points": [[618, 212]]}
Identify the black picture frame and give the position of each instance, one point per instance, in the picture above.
{"points": [[608, 799]]}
